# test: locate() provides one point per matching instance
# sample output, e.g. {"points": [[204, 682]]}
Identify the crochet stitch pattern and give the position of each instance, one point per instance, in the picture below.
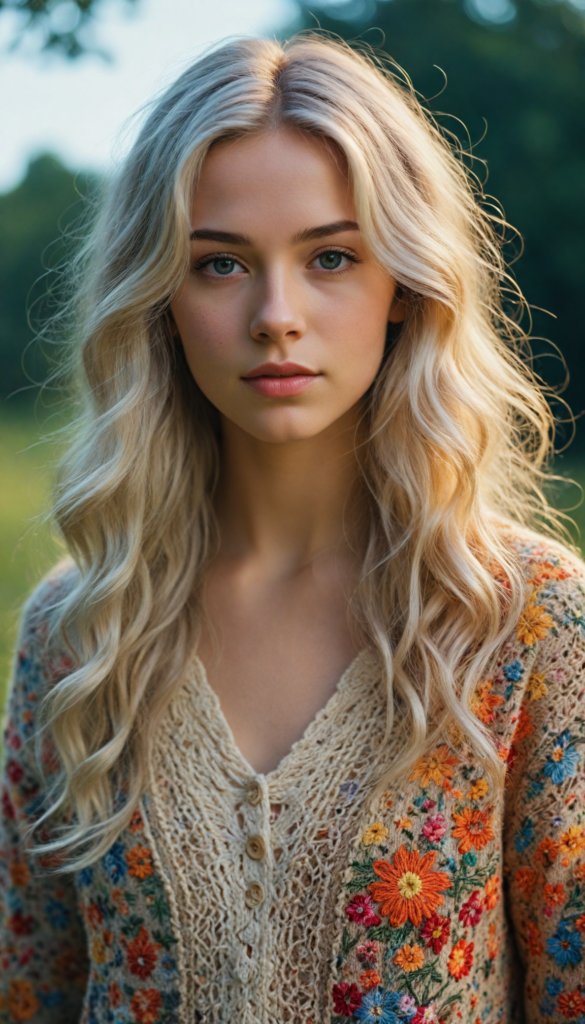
{"points": [[296, 897]]}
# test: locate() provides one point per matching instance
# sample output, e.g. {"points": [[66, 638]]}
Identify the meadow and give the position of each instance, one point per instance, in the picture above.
{"points": [[28, 546]]}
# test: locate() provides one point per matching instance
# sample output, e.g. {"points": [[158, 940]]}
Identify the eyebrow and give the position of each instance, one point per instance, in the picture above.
{"points": [[308, 235]]}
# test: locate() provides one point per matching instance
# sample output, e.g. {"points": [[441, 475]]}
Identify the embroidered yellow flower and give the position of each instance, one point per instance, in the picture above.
{"points": [[403, 823], [478, 790], [572, 843], [536, 687], [534, 624], [375, 833]]}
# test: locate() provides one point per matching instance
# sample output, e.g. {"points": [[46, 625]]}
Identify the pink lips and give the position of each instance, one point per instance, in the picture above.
{"points": [[280, 380]]}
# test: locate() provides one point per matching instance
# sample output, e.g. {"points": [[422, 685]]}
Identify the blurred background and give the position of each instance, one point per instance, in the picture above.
{"points": [[507, 76]]}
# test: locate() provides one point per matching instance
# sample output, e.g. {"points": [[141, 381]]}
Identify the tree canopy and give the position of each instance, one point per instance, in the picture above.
{"points": [[60, 26]]}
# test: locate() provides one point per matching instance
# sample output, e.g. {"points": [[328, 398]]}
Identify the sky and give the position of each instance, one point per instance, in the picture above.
{"points": [[83, 110]]}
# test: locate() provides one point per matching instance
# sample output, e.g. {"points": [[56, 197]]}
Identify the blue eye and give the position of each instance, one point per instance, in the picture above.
{"points": [[223, 265], [330, 260]]}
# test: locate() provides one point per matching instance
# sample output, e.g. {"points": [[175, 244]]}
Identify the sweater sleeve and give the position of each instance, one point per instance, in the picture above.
{"points": [[544, 857], [43, 960]]}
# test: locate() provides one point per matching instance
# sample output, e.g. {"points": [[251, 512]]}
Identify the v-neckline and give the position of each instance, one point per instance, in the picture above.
{"points": [[304, 738]]}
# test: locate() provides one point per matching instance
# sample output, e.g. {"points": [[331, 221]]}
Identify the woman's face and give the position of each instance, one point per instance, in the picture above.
{"points": [[283, 314]]}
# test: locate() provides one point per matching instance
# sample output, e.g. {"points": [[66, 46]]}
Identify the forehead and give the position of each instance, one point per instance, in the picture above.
{"points": [[281, 177]]}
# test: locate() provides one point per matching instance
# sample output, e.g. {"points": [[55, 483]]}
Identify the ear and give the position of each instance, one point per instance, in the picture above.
{"points": [[398, 309]]}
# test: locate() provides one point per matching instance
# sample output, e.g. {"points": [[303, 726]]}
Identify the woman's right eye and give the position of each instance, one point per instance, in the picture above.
{"points": [[220, 266]]}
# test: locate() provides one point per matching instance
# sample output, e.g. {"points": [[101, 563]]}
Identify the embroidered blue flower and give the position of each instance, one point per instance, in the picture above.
{"points": [[57, 914], [553, 986], [349, 789], [114, 862], [469, 858], [167, 967], [524, 836], [379, 1007], [565, 946], [563, 761], [547, 1007], [85, 877], [514, 671]]}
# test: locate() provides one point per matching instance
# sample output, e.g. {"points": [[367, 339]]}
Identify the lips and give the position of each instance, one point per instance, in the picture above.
{"points": [[280, 380]]}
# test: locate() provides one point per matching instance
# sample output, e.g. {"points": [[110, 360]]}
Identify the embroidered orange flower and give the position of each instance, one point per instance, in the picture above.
{"points": [[136, 822], [139, 860], [460, 959], [580, 923], [142, 954], [524, 728], [474, 828], [572, 1004], [534, 624], [375, 833], [115, 995], [492, 892], [536, 687], [478, 790], [19, 873], [555, 895], [525, 879], [146, 1006], [434, 767], [120, 901], [572, 843], [409, 889], [580, 872], [484, 702], [533, 940], [409, 958], [547, 852], [402, 823], [370, 979], [22, 1002], [542, 571]]}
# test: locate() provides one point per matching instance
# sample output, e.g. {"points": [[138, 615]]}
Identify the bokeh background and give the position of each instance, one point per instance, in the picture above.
{"points": [[507, 77]]}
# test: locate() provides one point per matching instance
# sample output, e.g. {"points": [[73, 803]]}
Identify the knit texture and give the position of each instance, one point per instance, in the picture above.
{"points": [[296, 897]]}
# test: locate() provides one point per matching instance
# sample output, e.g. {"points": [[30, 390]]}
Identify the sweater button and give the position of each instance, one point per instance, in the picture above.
{"points": [[254, 793], [254, 895], [256, 847]]}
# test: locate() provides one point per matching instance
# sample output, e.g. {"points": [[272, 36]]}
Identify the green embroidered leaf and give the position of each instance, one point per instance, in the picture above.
{"points": [[394, 937], [166, 939], [132, 926], [364, 875], [347, 943]]}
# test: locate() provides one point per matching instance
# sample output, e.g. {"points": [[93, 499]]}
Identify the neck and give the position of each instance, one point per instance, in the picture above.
{"points": [[285, 504]]}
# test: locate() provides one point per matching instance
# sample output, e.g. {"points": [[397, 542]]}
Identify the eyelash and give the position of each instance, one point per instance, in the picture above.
{"points": [[206, 260]]}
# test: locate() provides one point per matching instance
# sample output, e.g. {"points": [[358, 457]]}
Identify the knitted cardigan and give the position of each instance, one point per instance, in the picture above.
{"points": [[453, 904]]}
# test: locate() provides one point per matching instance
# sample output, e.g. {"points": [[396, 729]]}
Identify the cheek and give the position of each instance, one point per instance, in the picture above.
{"points": [[356, 337], [206, 331]]}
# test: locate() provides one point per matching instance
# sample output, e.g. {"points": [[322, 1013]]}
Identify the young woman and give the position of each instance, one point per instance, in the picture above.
{"points": [[295, 734]]}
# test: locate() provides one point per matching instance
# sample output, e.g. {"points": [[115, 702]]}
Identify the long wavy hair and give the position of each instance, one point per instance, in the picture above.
{"points": [[459, 430]]}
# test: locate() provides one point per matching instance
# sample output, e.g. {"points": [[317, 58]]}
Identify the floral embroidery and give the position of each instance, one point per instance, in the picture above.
{"points": [[436, 767], [460, 959], [410, 889], [474, 828], [409, 958], [376, 833], [534, 624]]}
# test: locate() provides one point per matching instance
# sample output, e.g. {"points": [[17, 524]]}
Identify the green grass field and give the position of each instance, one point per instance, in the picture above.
{"points": [[28, 549]]}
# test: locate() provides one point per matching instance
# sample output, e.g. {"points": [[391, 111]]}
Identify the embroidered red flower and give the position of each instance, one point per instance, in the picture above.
{"points": [[142, 954], [572, 1004], [460, 959], [346, 999], [146, 1006], [435, 828], [471, 910], [410, 889], [361, 911], [435, 932], [367, 951]]}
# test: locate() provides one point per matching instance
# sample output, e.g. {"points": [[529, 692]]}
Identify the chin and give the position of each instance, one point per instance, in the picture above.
{"points": [[286, 429]]}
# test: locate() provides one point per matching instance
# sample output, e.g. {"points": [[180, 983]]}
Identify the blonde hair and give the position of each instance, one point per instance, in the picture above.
{"points": [[459, 429]]}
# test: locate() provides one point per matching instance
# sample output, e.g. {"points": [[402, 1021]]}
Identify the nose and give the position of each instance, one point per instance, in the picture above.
{"points": [[277, 317]]}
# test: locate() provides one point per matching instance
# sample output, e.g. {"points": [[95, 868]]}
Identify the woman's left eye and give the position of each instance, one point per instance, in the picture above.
{"points": [[333, 259]]}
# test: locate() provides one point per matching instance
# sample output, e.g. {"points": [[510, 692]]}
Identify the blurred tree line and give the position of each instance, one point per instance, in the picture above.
{"points": [[518, 65], [37, 234]]}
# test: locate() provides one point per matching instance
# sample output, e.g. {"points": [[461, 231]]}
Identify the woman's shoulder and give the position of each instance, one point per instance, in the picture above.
{"points": [[554, 573], [37, 659]]}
